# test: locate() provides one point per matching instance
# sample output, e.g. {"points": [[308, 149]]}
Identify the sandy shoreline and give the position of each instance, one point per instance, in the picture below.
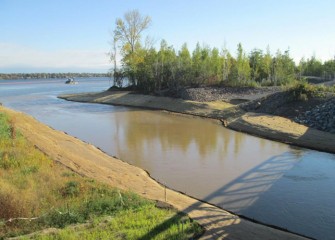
{"points": [[258, 124], [89, 161]]}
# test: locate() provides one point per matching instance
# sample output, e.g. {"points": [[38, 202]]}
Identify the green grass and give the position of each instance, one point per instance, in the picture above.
{"points": [[146, 222], [36, 193]]}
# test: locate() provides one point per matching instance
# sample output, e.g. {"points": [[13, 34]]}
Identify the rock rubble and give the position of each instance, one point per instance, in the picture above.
{"points": [[315, 112], [322, 117], [207, 94]]}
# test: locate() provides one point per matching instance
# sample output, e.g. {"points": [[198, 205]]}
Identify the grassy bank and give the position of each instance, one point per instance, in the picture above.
{"points": [[37, 193]]}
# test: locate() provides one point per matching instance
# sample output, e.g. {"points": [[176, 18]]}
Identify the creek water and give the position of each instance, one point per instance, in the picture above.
{"points": [[274, 183]]}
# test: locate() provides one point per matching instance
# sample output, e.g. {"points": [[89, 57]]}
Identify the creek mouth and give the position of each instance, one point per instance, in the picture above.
{"points": [[271, 182]]}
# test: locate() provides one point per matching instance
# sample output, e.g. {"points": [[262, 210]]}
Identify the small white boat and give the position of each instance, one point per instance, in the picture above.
{"points": [[71, 81]]}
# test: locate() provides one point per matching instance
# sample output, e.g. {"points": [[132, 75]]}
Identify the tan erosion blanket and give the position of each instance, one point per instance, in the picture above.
{"points": [[89, 161], [203, 109], [284, 130], [258, 124]]}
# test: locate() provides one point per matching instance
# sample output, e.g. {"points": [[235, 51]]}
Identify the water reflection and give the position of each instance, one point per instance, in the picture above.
{"points": [[243, 174], [167, 145], [169, 132]]}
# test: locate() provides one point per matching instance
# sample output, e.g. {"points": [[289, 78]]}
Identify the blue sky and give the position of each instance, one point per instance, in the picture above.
{"points": [[74, 35]]}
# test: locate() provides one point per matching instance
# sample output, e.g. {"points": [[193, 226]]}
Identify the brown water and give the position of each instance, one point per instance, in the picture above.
{"points": [[270, 182]]}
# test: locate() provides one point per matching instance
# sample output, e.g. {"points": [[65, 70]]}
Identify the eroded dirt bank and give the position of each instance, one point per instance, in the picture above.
{"points": [[87, 160], [258, 124]]}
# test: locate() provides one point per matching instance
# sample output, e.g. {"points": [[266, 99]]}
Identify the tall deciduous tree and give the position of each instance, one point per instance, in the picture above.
{"points": [[283, 69], [301, 68], [314, 67], [266, 65], [255, 60], [185, 65], [115, 70], [242, 65], [196, 65], [329, 69], [128, 31], [226, 64], [215, 66], [167, 66]]}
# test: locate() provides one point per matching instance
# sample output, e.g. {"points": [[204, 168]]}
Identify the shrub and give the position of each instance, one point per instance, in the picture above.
{"points": [[4, 127], [61, 219], [303, 91], [71, 189]]}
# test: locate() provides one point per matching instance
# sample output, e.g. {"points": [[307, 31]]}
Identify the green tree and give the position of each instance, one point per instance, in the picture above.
{"points": [[167, 67], [267, 65], [242, 66], [184, 65], [215, 67], [313, 67], [283, 68], [128, 31], [205, 65], [147, 72], [301, 68], [226, 59], [115, 70], [329, 69], [256, 61], [196, 65]]}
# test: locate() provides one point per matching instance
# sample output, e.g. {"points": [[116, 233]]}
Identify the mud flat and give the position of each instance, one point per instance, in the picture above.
{"points": [[89, 161], [259, 124]]}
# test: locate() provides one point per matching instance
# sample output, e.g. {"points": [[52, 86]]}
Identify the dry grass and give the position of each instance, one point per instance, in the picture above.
{"points": [[28, 177]]}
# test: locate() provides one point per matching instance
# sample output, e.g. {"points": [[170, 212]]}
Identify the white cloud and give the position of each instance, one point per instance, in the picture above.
{"points": [[14, 55]]}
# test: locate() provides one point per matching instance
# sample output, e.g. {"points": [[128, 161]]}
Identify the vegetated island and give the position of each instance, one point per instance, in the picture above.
{"points": [[55, 185], [260, 93]]}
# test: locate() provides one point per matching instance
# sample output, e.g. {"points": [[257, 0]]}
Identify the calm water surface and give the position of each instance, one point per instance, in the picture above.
{"points": [[274, 183]]}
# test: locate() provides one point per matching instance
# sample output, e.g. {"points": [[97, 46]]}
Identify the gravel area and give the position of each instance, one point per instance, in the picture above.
{"points": [[321, 117], [315, 112], [229, 94]]}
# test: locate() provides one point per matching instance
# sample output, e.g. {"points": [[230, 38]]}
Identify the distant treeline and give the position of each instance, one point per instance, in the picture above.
{"points": [[8, 76], [150, 69]]}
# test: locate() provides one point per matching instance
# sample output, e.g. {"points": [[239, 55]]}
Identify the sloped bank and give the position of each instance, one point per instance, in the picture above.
{"points": [[259, 124], [89, 161]]}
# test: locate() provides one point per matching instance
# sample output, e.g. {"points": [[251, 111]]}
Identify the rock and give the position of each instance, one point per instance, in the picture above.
{"points": [[164, 205], [206, 94], [224, 122], [322, 117]]}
